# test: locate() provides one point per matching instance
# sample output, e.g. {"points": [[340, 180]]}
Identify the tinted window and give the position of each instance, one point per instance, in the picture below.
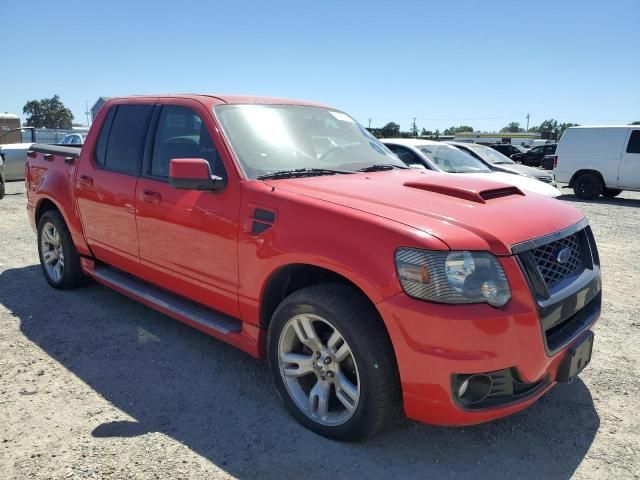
{"points": [[406, 155], [536, 150], [127, 137], [550, 149], [181, 133], [101, 145], [634, 142]]}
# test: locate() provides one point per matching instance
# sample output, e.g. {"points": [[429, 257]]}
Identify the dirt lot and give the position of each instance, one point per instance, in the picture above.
{"points": [[93, 385]]}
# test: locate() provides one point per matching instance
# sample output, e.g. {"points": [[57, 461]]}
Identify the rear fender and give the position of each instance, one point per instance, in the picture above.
{"points": [[58, 188]]}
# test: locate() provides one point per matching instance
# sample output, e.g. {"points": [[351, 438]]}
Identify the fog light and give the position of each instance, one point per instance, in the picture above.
{"points": [[475, 388]]}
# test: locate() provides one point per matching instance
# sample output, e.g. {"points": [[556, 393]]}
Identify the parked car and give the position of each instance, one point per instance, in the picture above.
{"points": [[599, 160], [506, 149], [497, 161], [15, 155], [366, 284], [446, 158], [534, 156], [72, 139]]}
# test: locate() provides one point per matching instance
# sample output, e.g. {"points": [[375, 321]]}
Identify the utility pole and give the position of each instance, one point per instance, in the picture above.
{"points": [[369, 123], [528, 115], [86, 112]]}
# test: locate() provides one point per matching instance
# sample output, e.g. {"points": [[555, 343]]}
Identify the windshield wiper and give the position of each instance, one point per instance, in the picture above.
{"points": [[379, 167], [300, 172]]}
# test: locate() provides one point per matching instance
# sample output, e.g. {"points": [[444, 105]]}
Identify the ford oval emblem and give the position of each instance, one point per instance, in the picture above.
{"points": [[563, 255]]}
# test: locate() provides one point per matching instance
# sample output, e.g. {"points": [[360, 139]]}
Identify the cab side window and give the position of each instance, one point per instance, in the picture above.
{"points": [[121, 142], [181, 133]]}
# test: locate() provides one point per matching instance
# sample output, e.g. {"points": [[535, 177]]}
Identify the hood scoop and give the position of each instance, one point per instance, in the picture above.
{"points": [[458, 190]]}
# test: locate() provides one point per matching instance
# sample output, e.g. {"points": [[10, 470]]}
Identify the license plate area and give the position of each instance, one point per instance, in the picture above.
{"points": [[577, 357]]}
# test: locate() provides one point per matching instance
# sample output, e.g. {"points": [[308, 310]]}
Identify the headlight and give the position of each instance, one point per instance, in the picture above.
{"points": [[452, 277]]}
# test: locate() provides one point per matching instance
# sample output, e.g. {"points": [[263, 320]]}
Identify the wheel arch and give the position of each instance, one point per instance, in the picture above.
{"points": [[46, 205], [584, 171], [296, 276]]}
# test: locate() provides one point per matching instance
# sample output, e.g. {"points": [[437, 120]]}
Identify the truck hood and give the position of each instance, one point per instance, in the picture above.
{"points": [[465, 213], [523, 183]]}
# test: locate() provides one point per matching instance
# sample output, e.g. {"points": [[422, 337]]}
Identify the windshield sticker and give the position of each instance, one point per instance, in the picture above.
{"points": [[342, 117]]}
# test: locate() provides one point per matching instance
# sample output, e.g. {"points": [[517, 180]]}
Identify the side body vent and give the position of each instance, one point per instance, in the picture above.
{"points": [[262, 220]]}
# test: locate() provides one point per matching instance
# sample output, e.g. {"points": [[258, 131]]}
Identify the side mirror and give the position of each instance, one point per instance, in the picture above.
{"points": [[193, 174]]}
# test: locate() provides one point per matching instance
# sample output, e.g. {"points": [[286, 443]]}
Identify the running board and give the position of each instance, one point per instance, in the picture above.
{"points": [[167, 302]]}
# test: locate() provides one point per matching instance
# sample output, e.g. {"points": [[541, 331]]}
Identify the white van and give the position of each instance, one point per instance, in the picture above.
{"points": [[599, 160]]}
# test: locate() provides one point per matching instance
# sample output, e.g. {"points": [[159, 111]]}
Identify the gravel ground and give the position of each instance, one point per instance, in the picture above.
{"points": [[93, 385]]}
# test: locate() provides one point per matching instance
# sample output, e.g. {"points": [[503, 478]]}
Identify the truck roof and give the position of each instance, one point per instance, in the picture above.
{"points": [[230, 99]]}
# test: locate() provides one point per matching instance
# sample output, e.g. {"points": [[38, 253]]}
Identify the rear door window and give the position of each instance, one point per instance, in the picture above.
{"points": [[126, 138], [634, 142]]}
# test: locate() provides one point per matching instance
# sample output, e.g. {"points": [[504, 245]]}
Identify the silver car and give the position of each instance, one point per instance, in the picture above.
{"points": [[501, 163]]}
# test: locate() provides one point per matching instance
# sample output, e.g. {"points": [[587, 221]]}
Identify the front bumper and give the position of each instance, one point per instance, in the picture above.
{"points": [[434, 343]]}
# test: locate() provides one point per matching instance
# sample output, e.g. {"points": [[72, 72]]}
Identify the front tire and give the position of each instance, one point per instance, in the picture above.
{"points": [[588, 186], [332, 362], [58, 255]]}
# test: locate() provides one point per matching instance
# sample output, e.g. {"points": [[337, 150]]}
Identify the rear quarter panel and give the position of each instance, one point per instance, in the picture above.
{"points": [[53, 180]]}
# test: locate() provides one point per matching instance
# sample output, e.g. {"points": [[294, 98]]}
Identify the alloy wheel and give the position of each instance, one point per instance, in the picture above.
{"points": [[319, 369], [52, 252]]}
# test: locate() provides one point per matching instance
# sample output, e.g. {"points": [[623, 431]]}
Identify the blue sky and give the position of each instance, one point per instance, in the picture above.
{"points": [[482, 63]]}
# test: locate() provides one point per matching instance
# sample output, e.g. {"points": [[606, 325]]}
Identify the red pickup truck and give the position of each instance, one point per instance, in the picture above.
{"points": [[286, 229]]}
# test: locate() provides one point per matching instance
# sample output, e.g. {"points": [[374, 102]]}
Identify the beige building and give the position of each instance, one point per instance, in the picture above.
{"points": [[9, 121]]}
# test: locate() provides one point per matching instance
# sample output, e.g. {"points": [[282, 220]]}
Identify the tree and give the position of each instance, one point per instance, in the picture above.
{"points": [[391, 129], [48, 113], [563, 126], [513, 127], [453, 130], [424, 133], [550, 125], [634, 123]]}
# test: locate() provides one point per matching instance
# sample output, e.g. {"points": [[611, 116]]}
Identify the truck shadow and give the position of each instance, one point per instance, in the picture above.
{"points": [[220, 403], [622, 202]]}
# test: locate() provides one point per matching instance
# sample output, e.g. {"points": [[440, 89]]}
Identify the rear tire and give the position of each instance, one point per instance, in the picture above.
{"points": [[588, 186], [345, 362], [59, 258], [611, 192]]}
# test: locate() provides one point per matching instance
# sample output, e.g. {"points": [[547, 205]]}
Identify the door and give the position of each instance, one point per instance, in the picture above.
{"points": [[106, 185], [534, 156], [188, 238], [629, 174]]}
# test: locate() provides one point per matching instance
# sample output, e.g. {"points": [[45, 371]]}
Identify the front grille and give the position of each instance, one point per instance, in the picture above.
{"points": [[560, 259], [566, 259]]}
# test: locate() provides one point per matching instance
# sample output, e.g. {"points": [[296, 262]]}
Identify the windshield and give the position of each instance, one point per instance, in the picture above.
{"points": [[273, 138], [449, 159], [489, 154]]}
